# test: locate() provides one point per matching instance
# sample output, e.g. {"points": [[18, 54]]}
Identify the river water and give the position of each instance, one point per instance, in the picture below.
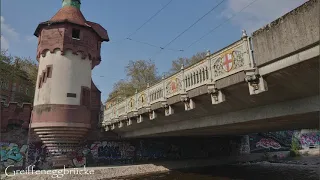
{"points": [[236, 172]]}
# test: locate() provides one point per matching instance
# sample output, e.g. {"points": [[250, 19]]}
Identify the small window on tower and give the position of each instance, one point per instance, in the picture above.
{"points": [[76, 33], [43, 76], [49, 71], [40, 79]]}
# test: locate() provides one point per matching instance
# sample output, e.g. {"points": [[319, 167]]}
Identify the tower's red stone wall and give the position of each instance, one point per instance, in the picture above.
{"points": [[15, 114], [59, 36], [95, 105]]}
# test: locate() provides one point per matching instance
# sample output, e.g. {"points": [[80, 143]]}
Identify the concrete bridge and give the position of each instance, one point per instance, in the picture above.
{"points": [[263, 82]]}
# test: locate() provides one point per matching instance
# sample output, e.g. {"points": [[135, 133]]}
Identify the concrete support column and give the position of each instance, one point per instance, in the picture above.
{"points": [[140, 119], [216, 95], [255, 81], [129, 122], [245, 145], [152, 115], [168, 110], [189, 104]]}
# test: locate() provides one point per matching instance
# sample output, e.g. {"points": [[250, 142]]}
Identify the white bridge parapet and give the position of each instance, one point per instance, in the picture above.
{"points": [[232, 59], [277, 63]]}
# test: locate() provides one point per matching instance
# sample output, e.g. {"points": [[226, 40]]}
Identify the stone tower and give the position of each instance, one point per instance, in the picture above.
{"points": [[68, 49]]}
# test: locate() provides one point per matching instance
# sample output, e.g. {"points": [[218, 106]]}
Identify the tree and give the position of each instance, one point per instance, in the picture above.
{"points": [[142, 72], [139, 73], [17, 69], [122, 89], [176, 64]]}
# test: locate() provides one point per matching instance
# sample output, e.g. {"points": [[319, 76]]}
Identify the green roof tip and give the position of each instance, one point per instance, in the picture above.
{"points": [[74, 3]]}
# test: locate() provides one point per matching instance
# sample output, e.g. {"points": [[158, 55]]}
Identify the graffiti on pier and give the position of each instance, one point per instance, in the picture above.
{"points": [[268, 143], [310, 139], [99, 152], [36, 154], [124, 152], [12, 154], [112, 150], [283, 140], [79, 159], [282, 137]]}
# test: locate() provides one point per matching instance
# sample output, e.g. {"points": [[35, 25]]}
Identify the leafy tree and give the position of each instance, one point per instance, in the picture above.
{"points": [[176, 64], [142, 72], [17, 69], [139, 73], [122, 89]]}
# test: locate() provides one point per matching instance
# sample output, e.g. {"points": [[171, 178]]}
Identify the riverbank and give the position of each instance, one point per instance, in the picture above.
{"points": [[252, 171], [111, 172]]}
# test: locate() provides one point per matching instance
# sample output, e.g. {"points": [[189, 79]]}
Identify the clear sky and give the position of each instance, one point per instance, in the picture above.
{"points": [[19, 18]]}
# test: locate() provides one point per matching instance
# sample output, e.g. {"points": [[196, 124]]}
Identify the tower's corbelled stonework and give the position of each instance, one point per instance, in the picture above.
{"points": [[68, 49]]}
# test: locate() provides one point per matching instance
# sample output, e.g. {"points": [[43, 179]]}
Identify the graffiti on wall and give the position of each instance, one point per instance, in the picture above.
{"points": [[96, 153], [38, 156], [125, 152], [310, 140], [268, 143], [12, 154], [282, 140], [283, 137], [106, 151]]}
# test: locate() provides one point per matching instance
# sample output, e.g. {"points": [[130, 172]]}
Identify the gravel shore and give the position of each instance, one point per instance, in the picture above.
{"points": [[301, 167]]}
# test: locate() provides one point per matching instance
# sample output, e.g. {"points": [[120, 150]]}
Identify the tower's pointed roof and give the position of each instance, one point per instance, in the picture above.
{"points": [[70, 13]]}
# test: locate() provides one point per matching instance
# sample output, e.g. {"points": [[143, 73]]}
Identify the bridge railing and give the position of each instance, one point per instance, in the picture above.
{"points": [[221, 64], [197, 74], [156, 93]]}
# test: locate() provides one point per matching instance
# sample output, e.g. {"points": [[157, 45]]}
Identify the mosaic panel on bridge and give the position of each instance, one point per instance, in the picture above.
{"points": [[228, 61], [142, 100], [173, 86], [131, 104]]}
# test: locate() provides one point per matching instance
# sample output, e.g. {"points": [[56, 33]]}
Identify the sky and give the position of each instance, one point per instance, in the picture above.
{"points": [[19, 19]]}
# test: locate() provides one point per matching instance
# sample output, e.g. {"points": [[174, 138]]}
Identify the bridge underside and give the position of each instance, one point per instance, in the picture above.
{"points": [[291, 102], [301, 121]]}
